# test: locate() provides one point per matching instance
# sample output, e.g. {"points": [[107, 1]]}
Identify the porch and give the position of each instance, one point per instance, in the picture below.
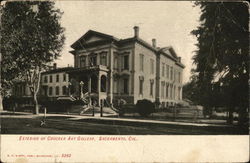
{"points": [[89, 82]]}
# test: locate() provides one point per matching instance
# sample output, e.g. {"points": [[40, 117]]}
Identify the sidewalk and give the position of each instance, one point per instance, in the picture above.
{"points": [[118, 119]]}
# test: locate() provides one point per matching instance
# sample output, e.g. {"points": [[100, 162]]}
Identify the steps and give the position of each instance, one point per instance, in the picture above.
{"points": [[106, 110]]}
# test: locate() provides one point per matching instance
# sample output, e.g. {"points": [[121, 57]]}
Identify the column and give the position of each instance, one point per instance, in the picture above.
{"points": [[89, 90], [111, 59], [89, 84], [99, 87]]}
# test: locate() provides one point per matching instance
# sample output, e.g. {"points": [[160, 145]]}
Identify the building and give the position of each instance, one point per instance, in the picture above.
{"points": [[109, 68], [129, 68]]}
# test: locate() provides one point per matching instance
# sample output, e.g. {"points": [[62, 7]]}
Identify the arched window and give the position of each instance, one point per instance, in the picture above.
{"points": [[57, 90], [94, 82], [103, 83], [64, 90], [50, 91]]}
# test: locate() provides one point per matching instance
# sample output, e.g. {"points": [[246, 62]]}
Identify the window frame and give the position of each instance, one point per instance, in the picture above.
{"points": [[57, 91]]}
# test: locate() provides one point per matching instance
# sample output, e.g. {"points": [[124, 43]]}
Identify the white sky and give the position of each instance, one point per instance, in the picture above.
{"points": [[169, 22]]}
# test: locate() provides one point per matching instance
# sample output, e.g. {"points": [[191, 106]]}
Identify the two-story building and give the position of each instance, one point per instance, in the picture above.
{"points": [[109, 68], [130, 68]]}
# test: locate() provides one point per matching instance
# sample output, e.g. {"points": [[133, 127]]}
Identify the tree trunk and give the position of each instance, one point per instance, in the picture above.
{"points": [[1, 103], [36, 104]]}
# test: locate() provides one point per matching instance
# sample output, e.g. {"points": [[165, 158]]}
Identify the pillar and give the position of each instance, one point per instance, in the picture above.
{"points": [[99, 88]]}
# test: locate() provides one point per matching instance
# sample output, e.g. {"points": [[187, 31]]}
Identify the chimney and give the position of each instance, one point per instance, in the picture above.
{"points": [[136, 30], [179, 59], [54, 66], [154, 42]]}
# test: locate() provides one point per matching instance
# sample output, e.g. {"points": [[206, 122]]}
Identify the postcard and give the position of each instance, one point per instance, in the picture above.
{"points": [[124, 81]]}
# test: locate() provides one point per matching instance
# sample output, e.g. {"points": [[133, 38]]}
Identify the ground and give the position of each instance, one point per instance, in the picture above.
{"points": [[23, 123]]}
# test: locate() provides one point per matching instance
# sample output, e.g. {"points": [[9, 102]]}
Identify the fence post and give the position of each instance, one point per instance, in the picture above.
{"points": [[101, 107], [93, 107]]}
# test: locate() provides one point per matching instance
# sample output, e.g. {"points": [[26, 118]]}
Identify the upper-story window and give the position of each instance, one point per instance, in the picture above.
{"points": [[64, 77], [50, 79], [45, 79], [82, 61], [93, 60], [163, 69], [152, 62], [126, 62], [57, 78], [141, 62], [167, 71], [103, 58]]}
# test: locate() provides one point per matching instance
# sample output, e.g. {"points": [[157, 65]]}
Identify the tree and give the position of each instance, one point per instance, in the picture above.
{"points": [[33, 38], [222, 55], [145, 107]]}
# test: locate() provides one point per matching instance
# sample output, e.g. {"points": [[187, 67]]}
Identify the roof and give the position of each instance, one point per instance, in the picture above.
{"points": [[89, 34], [58, 70], [81, 43]]}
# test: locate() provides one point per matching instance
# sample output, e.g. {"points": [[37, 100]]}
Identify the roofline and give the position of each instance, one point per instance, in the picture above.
{"points": [[99, 33]]}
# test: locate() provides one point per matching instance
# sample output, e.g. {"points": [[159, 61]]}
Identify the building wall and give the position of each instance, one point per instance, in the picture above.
{"points": [[47, 85], [170, 85], [144, 74]]}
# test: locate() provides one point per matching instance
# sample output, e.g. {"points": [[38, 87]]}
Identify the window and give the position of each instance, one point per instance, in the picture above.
{"points": [[167, 71], [179, 77], [141, 62], [64, 77], [115, 62], [174, 75], [174, 92], [141, 86], [82, 61], [171, 73], [179, 94], [45, 79], [64, 90], [50, 79], [50, 91], [103, 83], [125, 62], [167, 87], [115, 86], [125, 86], [103, 59], [151, 87], [57, 78], [152, 66], [163, 69], [93, 60], [162, 89], [57, 90]]}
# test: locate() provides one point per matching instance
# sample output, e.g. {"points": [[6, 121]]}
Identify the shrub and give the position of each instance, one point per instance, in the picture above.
{"points": [[145, 107]]}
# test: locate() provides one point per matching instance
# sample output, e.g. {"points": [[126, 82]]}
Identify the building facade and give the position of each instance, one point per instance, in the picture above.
{"points": [[110, 69], [129, 69]]}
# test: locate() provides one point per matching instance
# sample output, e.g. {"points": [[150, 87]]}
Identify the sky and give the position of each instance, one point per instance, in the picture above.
{"points": [[169, 22]]}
